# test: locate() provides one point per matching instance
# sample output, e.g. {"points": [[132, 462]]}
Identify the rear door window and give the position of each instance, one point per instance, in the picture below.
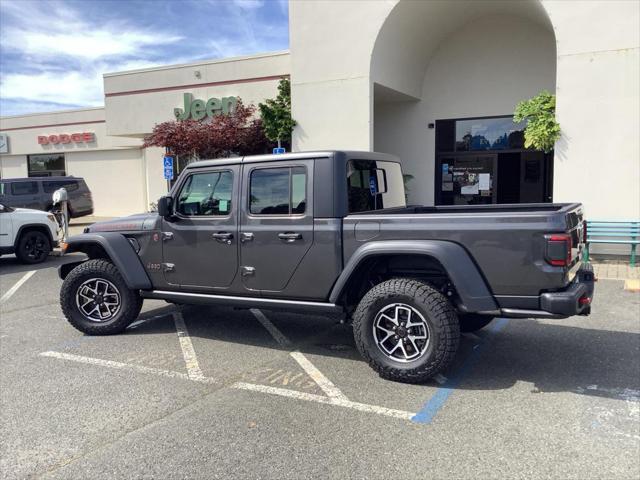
{"points": [[278, 191], [24, 188]]}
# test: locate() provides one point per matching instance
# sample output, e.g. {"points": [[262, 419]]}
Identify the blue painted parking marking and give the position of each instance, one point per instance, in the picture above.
{"points": [[430, 409]]}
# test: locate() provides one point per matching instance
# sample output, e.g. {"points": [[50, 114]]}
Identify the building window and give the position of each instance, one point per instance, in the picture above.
{"points": [[278, 191], [46, 165], [489, 134]]}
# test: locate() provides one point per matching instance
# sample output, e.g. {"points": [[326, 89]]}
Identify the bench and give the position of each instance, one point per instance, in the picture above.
{"points": [[613, 232]]}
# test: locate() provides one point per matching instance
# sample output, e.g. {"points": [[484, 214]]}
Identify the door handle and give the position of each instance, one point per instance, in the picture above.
{"points": [[246, 237], [223, 237], [289, 236]]}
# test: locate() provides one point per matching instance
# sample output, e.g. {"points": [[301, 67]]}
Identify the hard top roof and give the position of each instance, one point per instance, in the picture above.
{"points": [[292, 156]]}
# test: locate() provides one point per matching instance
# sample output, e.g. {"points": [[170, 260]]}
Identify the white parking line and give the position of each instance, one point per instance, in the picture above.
{"points": [[124, 366], [15, 288], [338, 402], [271, 328], [283, 392], [323, 382], [188, 352]]}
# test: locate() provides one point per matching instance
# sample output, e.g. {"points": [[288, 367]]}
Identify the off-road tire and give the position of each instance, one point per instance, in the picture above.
{"points": [[472, 322], [436, 310], [131, 301], [33, 236]]}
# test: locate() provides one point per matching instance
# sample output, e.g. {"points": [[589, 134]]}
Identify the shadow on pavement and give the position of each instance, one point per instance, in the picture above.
{"points": [[10, 264], [553, 357]]}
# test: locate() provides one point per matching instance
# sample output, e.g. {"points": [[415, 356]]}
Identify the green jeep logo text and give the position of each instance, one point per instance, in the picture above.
{"points": [[198, 109]]}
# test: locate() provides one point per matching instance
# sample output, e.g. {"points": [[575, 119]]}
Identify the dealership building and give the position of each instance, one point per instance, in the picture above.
{"points": [[433, 82]]}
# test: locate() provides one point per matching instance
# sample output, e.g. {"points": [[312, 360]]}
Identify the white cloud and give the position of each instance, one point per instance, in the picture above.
{"points": [[85, 43], [72, 88]]}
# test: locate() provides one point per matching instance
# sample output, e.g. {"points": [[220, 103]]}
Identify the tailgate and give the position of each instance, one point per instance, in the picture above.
{"points": [[576, 228]]}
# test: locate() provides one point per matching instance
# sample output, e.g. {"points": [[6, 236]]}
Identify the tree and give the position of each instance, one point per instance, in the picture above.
{"points": [[237, 133], [542, 130], [276, 114]]}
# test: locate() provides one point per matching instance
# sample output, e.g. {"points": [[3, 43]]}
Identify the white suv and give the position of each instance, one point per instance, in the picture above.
{"points": [[30, 234]]}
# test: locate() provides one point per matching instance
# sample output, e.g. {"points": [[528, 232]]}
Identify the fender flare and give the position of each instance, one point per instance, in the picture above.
{"points": [[463, 272], [120, 252]]}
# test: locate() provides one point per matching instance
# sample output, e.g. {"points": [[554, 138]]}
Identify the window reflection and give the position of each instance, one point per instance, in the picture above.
{"points": [[489, 134]]}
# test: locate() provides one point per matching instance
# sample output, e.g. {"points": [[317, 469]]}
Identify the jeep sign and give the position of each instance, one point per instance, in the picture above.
{"points": [[198, 109]]}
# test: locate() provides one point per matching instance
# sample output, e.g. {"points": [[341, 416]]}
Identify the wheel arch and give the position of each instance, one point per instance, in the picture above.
{"points": [[431, 257], [32, 226], [111, 246]]}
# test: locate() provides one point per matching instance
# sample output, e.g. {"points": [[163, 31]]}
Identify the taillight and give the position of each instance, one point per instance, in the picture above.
{"points": [[558, 251]]}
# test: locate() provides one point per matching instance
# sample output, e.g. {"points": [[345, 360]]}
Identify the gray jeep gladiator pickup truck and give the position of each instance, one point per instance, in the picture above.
{"points": [[330, 232]]}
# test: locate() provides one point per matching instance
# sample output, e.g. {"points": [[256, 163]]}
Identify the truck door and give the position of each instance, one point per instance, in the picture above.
{"points": [[277, 222], [200, 244]]}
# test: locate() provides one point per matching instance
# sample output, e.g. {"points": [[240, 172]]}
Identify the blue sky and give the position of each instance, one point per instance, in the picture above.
{"points": [[53, 53]]}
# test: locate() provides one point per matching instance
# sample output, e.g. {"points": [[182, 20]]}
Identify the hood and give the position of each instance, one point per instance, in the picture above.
{"points": [[30, 211], [140, 221]]}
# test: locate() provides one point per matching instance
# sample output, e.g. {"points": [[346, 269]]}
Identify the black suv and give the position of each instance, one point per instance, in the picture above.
{"points": [[37, 192]]}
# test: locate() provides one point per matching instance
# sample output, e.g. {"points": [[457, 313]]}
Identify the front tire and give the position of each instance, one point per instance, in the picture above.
{"points": [[96, 300], [33, 247], [407, 331]]}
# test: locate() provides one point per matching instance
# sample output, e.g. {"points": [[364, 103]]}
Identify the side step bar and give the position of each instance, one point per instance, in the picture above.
{"points": [[243, 302], [516, 313]]}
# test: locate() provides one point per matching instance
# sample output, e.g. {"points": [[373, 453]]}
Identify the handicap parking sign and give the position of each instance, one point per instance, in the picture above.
{"points": [[168, 162], [168, 173]]}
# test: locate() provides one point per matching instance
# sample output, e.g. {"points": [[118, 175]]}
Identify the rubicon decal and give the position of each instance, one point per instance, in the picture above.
{"points": [[84, 137]]}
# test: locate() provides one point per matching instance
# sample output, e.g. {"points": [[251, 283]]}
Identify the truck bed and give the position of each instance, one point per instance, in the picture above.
{"points": [[507, 242]]}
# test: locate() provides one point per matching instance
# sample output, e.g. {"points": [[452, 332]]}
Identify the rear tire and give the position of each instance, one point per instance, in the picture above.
{"points": [[472, 322], [96, 300], [33, 247], [420, 326]]}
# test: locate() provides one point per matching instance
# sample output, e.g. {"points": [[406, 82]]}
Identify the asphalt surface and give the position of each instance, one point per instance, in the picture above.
{"points": [[227, 398]]}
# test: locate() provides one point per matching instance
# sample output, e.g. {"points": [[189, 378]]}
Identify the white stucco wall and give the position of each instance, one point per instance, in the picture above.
{"points": [[597, 160], [484, 68], [13, 166], [115, 178], [330, 45]]}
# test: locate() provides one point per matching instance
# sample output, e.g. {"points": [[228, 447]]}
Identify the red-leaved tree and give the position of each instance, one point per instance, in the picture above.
{"points": [[237, 133]]}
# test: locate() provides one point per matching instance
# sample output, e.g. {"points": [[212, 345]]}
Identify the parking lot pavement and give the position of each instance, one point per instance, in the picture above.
{"points": [[198, 392]]}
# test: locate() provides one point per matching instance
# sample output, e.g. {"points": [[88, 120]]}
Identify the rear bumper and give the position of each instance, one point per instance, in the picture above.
{"points": [[576, 299], [573, 300]]}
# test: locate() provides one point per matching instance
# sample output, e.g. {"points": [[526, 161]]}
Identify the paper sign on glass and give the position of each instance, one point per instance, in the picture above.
{"points": [[485, 180]]}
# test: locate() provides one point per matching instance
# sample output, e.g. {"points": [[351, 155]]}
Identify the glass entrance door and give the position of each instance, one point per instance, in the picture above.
{"points": [[468, 179]]}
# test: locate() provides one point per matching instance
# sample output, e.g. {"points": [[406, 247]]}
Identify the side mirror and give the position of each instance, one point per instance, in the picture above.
{"points": [[165, 207]]}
